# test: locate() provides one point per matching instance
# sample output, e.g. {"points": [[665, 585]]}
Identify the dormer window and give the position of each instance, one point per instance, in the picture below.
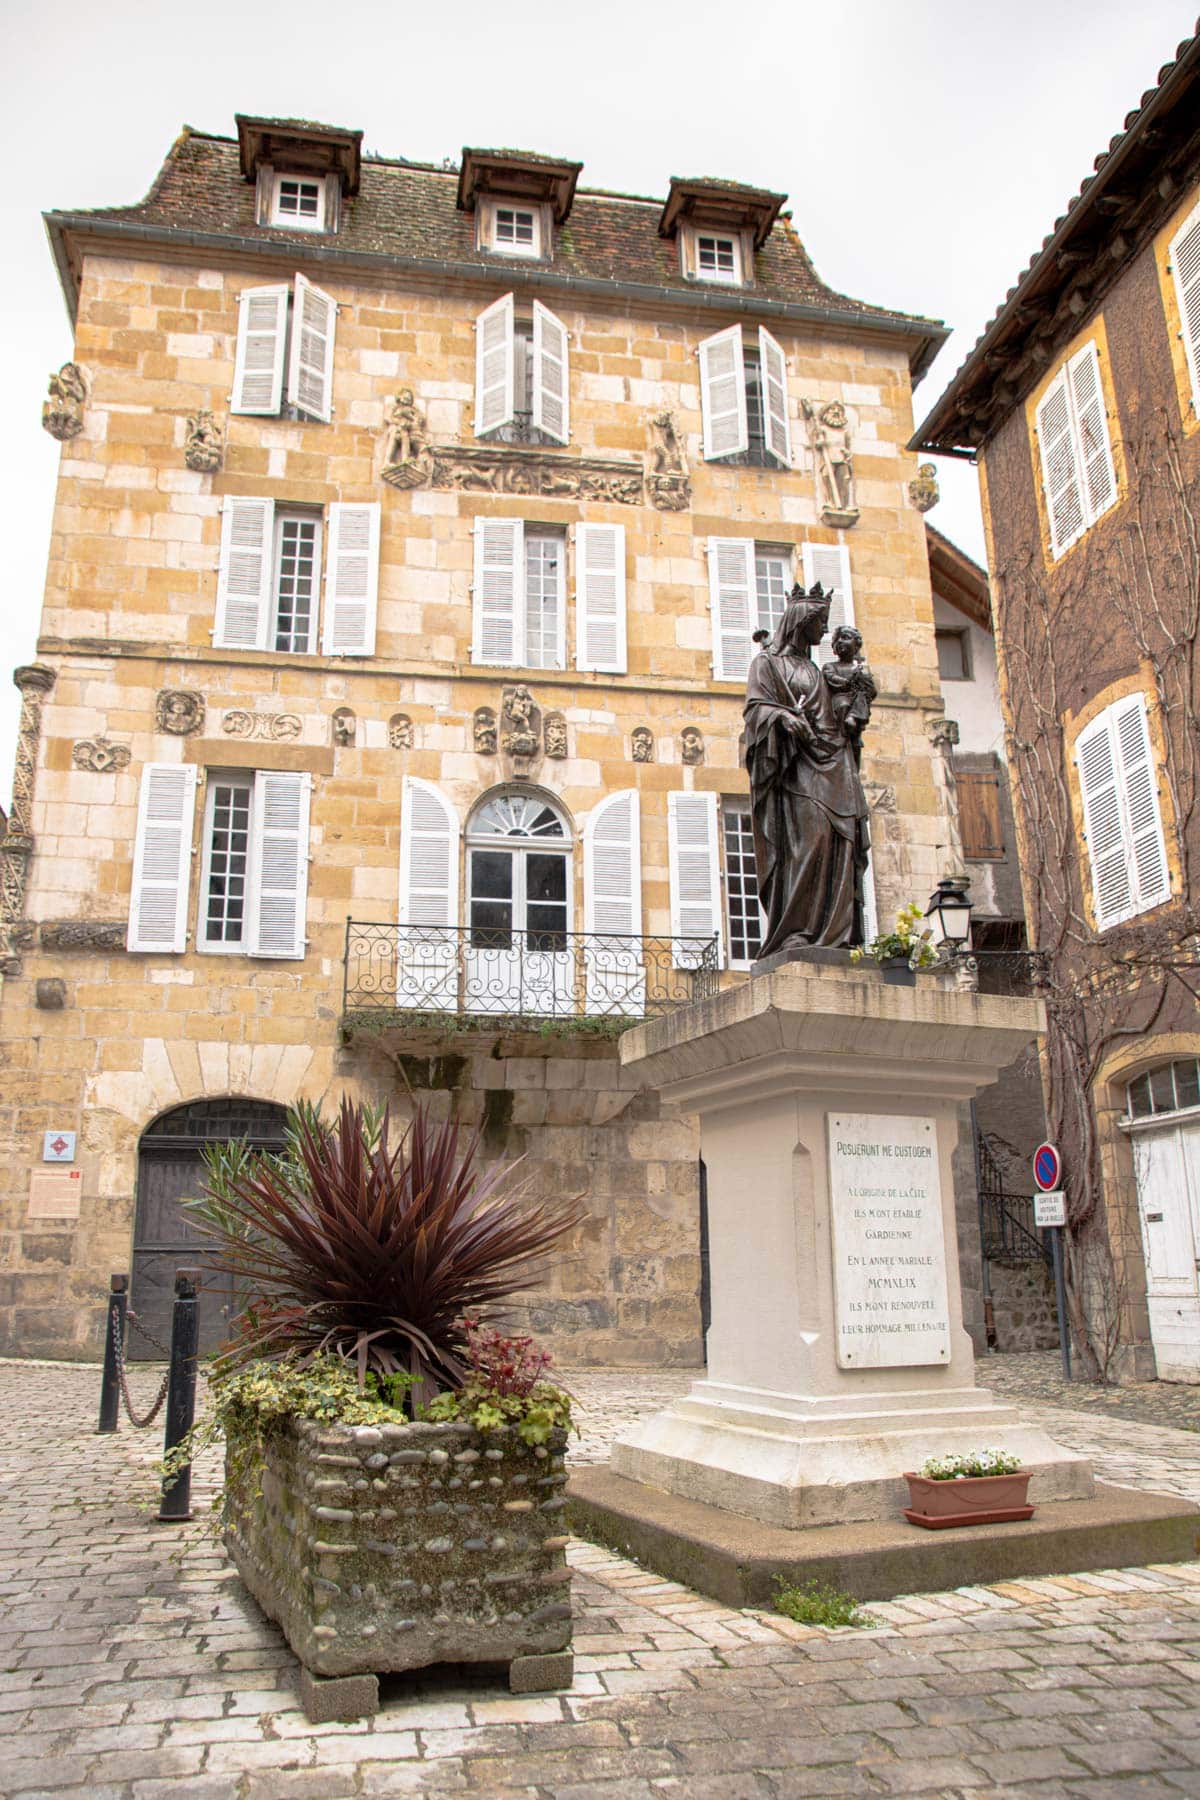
{"points": [[509, 229], [718, 225], [298, 201]]}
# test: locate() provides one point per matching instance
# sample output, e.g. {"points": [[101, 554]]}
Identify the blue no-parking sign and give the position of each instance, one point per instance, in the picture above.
{"points": [[1047, 1167]]}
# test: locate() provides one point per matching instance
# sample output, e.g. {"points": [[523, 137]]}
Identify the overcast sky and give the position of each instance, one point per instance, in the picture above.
{"points": [[927, 146]]}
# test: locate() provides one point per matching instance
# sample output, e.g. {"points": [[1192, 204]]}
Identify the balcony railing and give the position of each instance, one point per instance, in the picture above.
{"points": [[532, 974]]}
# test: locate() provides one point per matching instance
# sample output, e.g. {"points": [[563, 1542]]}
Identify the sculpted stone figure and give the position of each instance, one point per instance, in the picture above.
{"points": [[204, 446], [803, 726], [828, 428], [642, 744], [405, 462], [62, 413]]}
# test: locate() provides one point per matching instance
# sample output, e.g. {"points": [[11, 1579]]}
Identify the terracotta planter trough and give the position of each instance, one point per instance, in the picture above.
{"points": [[967, 1500]]}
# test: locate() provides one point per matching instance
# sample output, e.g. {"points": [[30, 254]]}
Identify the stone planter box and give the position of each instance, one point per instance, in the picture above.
{"points": [[970, 1500], [386, 1548]]}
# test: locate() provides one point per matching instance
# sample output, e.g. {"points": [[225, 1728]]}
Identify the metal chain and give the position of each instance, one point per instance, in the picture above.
{"points": [[119, 1354], [133, 1319]]}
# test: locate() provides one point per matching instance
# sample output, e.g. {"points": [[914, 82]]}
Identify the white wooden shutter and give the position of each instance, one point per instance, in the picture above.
{"points": [[551, 376], [776, 429], [278, 863], [1143, 819], [1060, 469], [162, 858], [731, 588], [600, 598], [1100, 782], [427, 955], [310, 376], [830, 565], [723, 394], [494, 394], [498, 634], [614, 967], [244, 573], [261, 340], [1093, 448], [694, 848], [1185, 269], [352, 579]]}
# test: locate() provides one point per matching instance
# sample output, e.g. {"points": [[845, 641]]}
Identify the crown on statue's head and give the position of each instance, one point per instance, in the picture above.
{"points": [[815, 592]]}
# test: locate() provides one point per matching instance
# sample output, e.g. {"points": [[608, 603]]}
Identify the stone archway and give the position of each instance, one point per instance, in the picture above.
{"points": [[170, 1170]]}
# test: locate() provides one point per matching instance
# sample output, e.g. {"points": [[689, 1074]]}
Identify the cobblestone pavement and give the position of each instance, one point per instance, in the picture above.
{"points": [[1037, 1375], [130, 1673]]}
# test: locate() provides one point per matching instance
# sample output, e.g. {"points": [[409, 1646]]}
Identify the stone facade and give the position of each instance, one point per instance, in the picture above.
{"points": [[127, 640], [1023, 1310]]}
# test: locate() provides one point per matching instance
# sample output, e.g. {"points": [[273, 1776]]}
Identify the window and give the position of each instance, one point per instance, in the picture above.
{"points": [[1122, 822], [744, 399], [522, 381], [268, 577], [254, 865], [953, 654], [518, 861], [749, 585], [1174, 1087], [298, 202], [772, 584], [1184, 258], [1078, 477], [276, 336], [510, 229], [711, 255], [743, 914], [519, 596]]}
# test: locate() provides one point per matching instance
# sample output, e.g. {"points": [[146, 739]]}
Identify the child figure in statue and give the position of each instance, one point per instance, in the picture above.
{"points": [[852, 685]]}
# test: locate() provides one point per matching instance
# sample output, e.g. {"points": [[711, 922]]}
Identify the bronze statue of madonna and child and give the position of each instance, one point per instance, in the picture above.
{"points": [[804, 726]]}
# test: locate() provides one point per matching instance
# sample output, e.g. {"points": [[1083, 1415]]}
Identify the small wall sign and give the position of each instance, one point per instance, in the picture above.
{"points": [[1050, 1208], [1047, 1167], [55, 1193], [58, 1146]]}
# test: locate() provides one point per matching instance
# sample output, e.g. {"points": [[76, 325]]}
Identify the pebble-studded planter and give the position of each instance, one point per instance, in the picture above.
{"points": [[386, 1548]]}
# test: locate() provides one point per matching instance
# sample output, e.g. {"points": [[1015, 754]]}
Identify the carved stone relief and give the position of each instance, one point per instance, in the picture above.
{"points": [[924, 491], [406, 459], [943, 733], [691, 745], [520, 724], [554, 735], [477, 468], [344, 728], [35, 681], [880, 799], [179, 711], [400, 731], [667, 480], [641, 740], [827, 425], [50, 993], [484, 731], [99, 756], [62, 413], [83, 934], [204, 446], [277, 728]]}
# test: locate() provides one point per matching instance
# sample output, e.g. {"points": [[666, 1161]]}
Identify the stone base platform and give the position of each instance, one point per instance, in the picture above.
{"points": [[738, 1560]]}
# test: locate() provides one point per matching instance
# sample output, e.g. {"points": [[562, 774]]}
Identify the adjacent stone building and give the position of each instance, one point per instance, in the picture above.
{"points": [[1082, 403], [412, 527]]}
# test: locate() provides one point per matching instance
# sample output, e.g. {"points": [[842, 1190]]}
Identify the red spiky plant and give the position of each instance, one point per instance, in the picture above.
{"points": [[346, 1244]]}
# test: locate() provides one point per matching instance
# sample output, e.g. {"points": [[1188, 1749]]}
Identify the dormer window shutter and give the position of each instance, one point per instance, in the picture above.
{"points": [[495, 403], [776, 427], [310, 376], [731, 587], [1060, 470], [1094, 448], [695, 873], [551, 376], [830, 565], [162, 858], [600, 598], [244, 574], [261, 341], [499, 597], [279, 864], [352, 579], [1185, 270], [723, 394]]}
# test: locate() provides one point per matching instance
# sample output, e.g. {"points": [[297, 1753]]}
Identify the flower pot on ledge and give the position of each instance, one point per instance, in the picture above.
{"points": [[967, 1500], [896, 971], [379, 1549]]}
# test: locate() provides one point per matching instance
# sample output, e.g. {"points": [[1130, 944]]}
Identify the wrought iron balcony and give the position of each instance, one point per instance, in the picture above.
{"points": [[522, 975]]}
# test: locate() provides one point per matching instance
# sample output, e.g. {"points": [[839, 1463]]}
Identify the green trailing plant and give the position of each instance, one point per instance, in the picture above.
{"points": [[817, 1603], [504, 1386], [911, 939], [346, 1244]]}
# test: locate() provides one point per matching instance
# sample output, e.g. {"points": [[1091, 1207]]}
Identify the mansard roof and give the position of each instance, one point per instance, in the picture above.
{"points": [[406, 217]]}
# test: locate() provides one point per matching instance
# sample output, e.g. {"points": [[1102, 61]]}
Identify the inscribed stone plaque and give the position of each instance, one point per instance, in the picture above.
{"points": [[889, 1256], [54, 1193]]}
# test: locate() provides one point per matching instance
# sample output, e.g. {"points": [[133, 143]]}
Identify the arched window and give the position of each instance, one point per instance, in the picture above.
{"points": [[518, 874]]}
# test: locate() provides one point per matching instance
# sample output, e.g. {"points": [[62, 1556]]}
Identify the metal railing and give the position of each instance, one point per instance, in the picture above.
{"points": [[1006, 1226], [528, 975]]}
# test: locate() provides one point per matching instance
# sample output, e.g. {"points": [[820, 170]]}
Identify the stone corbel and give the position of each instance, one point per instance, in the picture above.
{"points": [[62, 413]]}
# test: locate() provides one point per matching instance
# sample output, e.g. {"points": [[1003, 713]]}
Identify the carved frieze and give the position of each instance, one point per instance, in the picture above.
{"points": [[99, 756], [641, 740], [478, 468], [554, 735], [83, 934], [344, 728], [691, 745], [204, 446], [277, 728], [484, 731], [828, 428], [406, 460], [520, 724], [62, 413], [400, 731], [179, 711], [924, 491]]}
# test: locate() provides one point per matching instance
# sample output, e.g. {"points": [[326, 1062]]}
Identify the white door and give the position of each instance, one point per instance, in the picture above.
{"points": [[1167, 1160], [519, 959]]}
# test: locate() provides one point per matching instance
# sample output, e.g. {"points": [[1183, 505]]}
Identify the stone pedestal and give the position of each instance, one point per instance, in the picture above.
{"points": [[837, 1357]]}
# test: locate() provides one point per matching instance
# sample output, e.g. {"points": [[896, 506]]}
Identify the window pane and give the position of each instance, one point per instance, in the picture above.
{"points": [[1162, 1090], [546, 878], [513, 227], [295, 583], [543, 562], [952, 655], [1139, 1098], [228, 851], [754, 401], [491, 899], [715, 256], [741, 885], [771, 576], [523, 369], [491, 875], [298, 199], [1187, 1083]]}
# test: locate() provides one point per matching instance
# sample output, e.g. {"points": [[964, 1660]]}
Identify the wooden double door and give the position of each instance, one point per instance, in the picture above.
{"points": [[170, 1172]]}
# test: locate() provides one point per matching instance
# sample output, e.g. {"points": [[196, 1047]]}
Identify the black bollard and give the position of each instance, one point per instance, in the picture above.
{"points": [[176, 1503], [114, 1342]]}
